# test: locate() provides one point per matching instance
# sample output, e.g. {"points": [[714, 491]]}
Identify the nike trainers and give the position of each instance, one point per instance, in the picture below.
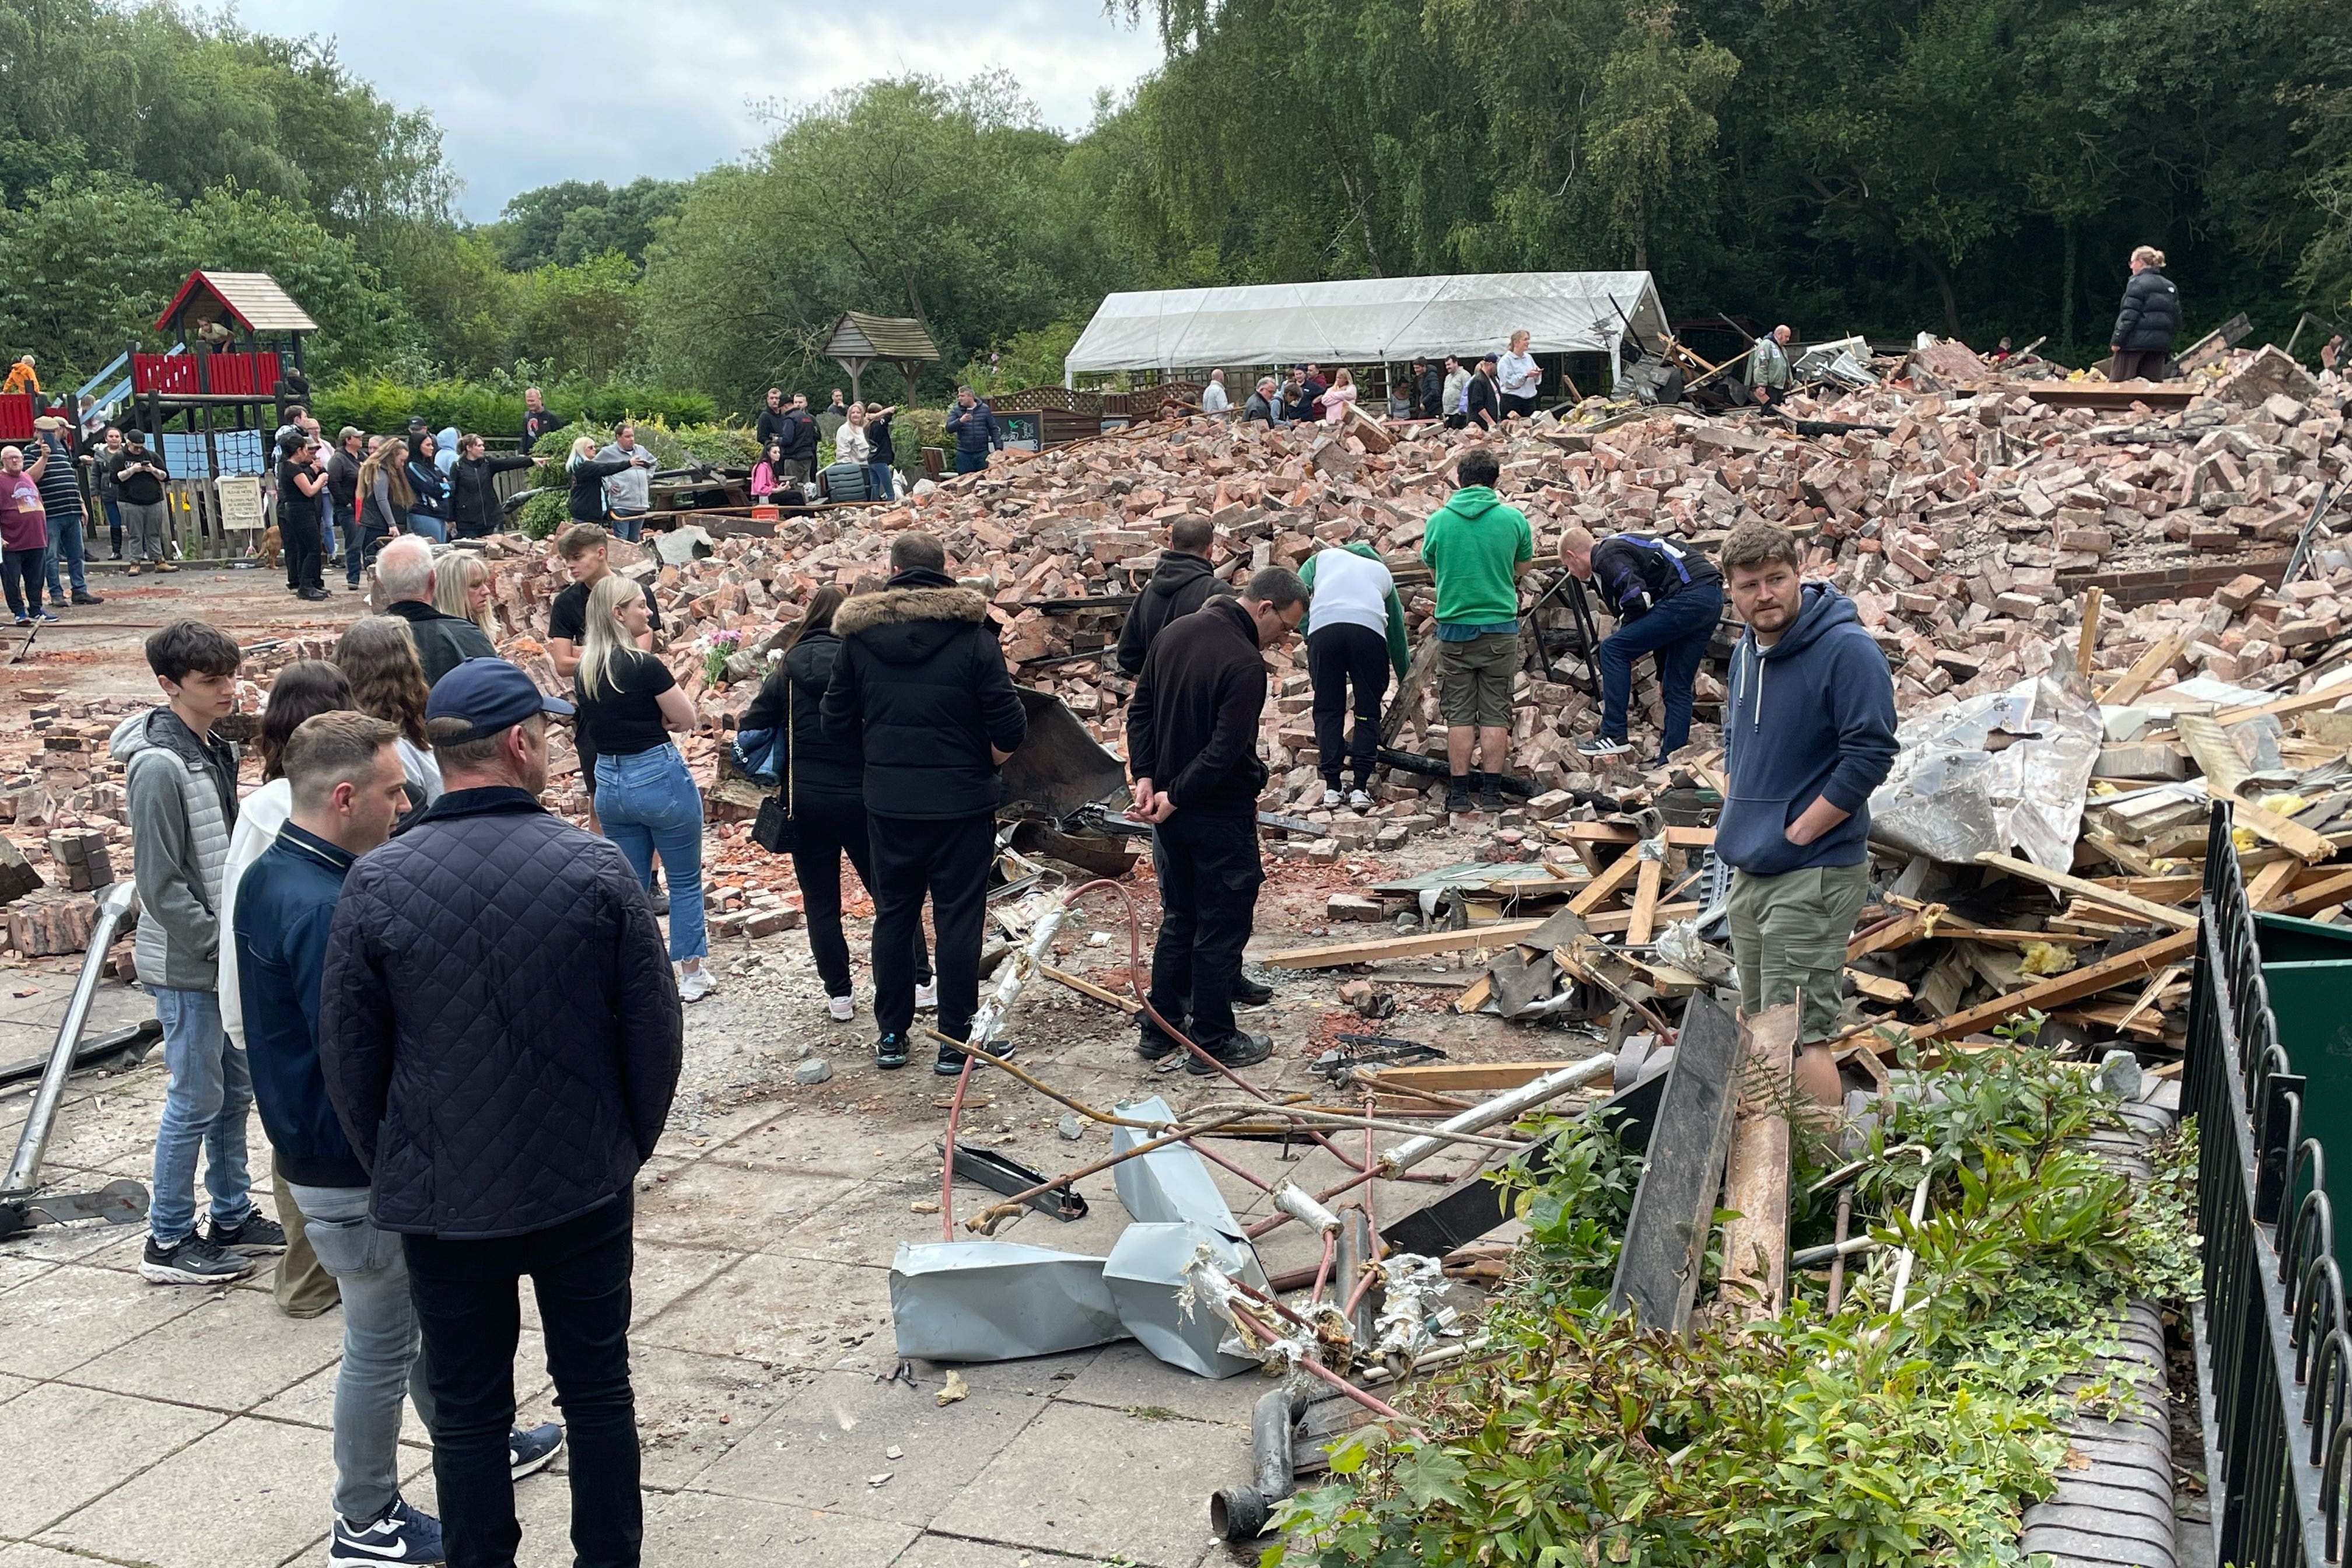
{"points": [[190, 1261], [403, 1534], [532, 1448], [257, 1234]]}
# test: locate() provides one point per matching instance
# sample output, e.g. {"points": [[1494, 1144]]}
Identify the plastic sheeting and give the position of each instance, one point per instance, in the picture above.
{"points": [[1952, 796], [1363, 320]]}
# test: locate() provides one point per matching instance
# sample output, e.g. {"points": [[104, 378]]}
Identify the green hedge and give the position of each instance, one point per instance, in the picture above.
{"points": [[382, 405]]}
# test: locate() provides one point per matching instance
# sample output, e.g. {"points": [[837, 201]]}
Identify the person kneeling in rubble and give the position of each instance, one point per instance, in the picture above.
{"points": [[1667, 600], [1807, 732]]}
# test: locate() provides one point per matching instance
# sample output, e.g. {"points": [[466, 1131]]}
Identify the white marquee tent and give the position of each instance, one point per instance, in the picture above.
{"points": [[1363, 321]]}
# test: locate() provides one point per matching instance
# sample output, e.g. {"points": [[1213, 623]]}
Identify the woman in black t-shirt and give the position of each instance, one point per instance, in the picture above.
{"points": [[645, 799], [299, 481]]}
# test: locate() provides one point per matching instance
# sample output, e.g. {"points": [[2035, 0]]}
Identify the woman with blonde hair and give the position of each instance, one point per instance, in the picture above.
{"points": [[384, 497], [461, 587], [378, 656], [1335, 401], [2147, 321], [646, 800], [588, 473]]}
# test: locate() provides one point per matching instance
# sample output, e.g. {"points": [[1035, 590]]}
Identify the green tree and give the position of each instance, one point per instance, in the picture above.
{"points": [[583, 318], [576, 221]]}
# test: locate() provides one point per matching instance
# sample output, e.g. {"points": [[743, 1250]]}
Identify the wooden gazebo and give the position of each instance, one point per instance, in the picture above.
{"points": [[858, 339]]}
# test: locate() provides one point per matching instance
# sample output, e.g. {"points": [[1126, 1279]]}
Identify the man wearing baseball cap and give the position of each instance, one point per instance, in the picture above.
{"points": [[500, 1036]]}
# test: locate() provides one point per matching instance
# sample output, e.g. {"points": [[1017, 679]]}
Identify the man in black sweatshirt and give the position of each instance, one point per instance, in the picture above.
{"points": [[1180, 584], [920, 685], [1192, 749]]}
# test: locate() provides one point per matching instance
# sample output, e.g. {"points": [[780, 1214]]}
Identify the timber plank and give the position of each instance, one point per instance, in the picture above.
{"points": [[2108, 897]]}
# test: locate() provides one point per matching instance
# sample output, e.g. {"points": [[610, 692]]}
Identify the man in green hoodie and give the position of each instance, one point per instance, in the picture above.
{"points": [[1476, 547]]}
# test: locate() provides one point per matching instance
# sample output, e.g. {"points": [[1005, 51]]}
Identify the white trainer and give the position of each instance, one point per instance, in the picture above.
{"points": [[843, 1008], [927, 996], [694, 984]]}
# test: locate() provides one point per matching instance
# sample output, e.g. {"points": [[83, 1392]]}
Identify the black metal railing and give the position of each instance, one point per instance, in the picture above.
{"points": [[2274, 1338]]}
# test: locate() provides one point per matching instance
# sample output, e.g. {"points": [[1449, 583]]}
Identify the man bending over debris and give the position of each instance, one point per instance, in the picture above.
{"points": [[1191, 747], [1180, 584], [1667, 601], [1808, 731]]}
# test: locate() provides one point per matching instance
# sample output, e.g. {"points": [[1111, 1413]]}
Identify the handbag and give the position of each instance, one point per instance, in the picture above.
{"points": [[774, 830]]}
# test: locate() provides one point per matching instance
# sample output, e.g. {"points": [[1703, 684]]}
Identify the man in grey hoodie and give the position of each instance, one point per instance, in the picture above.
{"points": [[181, 783], [629, 493], [1808, 731]]}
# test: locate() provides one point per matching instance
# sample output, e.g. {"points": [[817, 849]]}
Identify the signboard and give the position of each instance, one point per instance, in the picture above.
{"points": [[240, 500]]}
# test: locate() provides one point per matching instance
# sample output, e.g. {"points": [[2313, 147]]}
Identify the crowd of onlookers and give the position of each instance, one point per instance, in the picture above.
{"points": [[1462, 391]]}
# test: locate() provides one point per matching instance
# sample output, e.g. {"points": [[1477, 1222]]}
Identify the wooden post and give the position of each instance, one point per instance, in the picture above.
{"points": [[2088, 643], [1756, 1241]]}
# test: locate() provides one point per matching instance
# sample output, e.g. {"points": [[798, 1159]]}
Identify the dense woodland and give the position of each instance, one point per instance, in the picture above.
{"points": [[1975, 167]]}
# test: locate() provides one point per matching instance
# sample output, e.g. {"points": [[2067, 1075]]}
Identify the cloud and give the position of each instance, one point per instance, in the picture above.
{"points": [[527, 93]]}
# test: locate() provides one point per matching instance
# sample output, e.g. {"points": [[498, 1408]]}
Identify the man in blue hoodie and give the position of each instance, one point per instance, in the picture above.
{"points": [[1808, 732]]}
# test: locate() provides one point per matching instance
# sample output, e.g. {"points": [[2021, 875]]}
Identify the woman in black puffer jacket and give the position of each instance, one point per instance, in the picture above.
{"points": [[827, 796], [2150, 317]]}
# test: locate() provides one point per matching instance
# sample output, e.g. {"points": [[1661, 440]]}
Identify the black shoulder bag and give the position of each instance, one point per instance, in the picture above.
{"points": [[774, 829]]}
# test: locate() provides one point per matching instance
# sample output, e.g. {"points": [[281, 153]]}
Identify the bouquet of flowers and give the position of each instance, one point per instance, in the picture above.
{"points": [[716, 649]]}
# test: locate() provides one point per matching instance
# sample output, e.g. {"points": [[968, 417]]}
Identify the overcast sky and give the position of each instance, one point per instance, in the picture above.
{"points": [[529, 92]]}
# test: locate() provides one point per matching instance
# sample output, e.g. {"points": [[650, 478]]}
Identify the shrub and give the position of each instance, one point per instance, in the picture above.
{"points": [[911, 430], [378, 403]]}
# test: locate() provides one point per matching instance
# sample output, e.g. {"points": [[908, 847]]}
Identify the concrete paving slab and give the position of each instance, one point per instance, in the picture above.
{"points": [[697, 1526], [823, 1448], [719, 1207], [866, 1224], [92, 1241], [947, 1552], [659, 1274], [249, 1494], [11, 1386], [1121, 1485], [825, 1143], [1126, 1376], [692, 1410], [230, 1353], [76, 1315], [778, 1311], [16, 1271], [86, 1443], [25, 1555]]}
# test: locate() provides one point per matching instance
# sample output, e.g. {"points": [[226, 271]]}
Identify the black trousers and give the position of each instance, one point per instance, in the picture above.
{"points": [[828, 829], [1339, 657], [468, 1310], [948, 858], [1209, 874], [306, 556]]}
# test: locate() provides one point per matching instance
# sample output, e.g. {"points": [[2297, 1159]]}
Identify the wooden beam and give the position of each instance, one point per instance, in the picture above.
{"points": [[1878, 987], [1336, 954], [1604, 887], [2289, 834], [2087, 643], [2149, 958], [1085, 987], [2270, 882], [2327, 697], [1407, 700], [1622, 833], [1645, 924], [2162, 914], [1755, 1239], [2145, 668], [1900, 931]]}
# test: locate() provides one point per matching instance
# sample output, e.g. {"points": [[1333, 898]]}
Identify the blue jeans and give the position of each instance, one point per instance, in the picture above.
{"points": [[626, 524], [429, 526], [969, 462], [114, 525], [647, 802], [207, 1095], [879, 477], [357, 539], [381, 1359], [65, 540], [1677, 631]]}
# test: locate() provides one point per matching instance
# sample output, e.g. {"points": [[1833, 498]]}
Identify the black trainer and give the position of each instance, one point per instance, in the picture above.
{"points": [[1248, 993], [950, 1061], [259, 1233], [1241, 1051], [530, 1448], [1457, 793], [190, 1261], [891, 1051], [1490, 792], [83, 597], [1152, 1043]]}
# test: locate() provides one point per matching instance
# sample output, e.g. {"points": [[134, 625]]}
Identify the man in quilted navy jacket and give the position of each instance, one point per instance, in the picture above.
{"points": [[501, 1036]]}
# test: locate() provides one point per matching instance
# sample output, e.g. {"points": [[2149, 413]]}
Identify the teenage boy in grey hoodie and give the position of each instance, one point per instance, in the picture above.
{"points": [[181, 783], [1808, 731]]}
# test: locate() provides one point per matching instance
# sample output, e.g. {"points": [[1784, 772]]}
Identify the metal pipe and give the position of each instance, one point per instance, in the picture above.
{"points": [[25, 1170], [1918, 1213], [1502, 1108], [1241, 1513]]}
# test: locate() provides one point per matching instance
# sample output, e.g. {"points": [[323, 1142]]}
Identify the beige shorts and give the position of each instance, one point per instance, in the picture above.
{"points": [[1473, 679]]}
